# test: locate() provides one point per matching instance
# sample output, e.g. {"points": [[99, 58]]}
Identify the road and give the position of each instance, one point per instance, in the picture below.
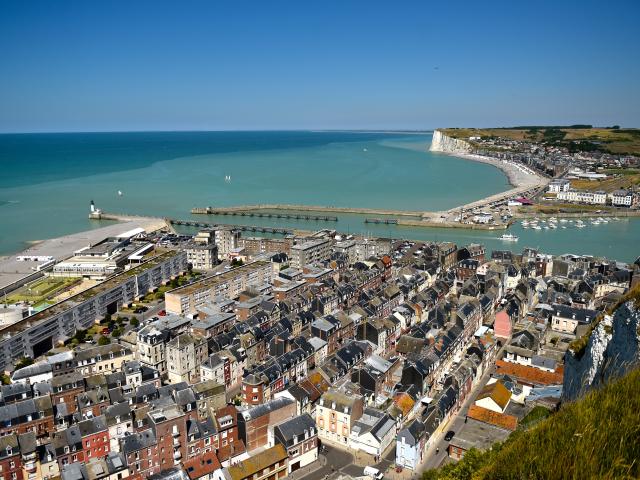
{"points": [[437, 452], [329, 464]]}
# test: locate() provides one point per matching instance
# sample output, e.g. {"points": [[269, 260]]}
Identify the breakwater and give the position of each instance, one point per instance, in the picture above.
{"points": [[304, 208]]}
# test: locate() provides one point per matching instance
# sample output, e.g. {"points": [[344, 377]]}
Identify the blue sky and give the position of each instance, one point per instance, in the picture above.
{"points": [[213, 65]]}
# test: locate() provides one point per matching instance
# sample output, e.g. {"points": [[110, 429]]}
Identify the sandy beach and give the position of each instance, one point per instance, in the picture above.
{"points": [[520, 177]]}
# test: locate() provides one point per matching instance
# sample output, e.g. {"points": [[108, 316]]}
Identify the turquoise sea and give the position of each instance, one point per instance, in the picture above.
{"points": [[48, 180]]}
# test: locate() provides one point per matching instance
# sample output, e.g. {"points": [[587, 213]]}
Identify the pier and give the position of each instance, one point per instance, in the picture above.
{"points": [[385, 221], [285, 216], [170, 222], [243, 228]]}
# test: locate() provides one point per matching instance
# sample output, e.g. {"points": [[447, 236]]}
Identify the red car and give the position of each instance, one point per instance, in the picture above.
{"points": [[162, 313], [105, 331]]}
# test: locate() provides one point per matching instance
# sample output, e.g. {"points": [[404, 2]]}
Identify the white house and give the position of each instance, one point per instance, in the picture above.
{"points": [[559, 185], [373, 432], [494, 397], [621, 198]]}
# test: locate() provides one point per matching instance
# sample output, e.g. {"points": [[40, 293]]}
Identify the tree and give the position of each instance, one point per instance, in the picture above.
{"points": [[134, 322], [80, 335], [117, 333], [104, 340], [6, 380], [24, 362]]}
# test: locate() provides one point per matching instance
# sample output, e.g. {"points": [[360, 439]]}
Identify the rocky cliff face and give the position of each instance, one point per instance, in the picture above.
{"points": [[443, 143], [612, 350]]}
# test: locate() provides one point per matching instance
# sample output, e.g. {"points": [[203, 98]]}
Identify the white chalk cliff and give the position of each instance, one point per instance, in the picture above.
{"points": [[446, 144], [612, 350]]}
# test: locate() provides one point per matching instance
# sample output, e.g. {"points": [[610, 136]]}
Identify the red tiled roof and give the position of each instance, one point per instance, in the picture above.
{"points": [[201, 465], [529, 375], [502, 420]]}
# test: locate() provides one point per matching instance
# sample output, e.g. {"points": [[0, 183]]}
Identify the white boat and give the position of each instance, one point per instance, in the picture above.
{"points": [[508, 237], [119, 193], [564, 226], [537, 227], [563, 220], [580, 225], [553, 225]]}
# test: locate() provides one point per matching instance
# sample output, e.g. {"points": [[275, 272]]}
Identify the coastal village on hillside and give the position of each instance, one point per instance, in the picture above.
{"points": [[224, 356]]}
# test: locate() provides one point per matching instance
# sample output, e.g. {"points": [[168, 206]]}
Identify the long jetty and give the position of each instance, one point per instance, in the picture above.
{"points": [[244, 228], [170, 222], [303, 208], [386, 221], [285, 216]]}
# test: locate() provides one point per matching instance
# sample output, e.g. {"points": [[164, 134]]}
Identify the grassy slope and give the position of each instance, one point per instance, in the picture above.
{"points": [[595, 437], [613, 141], [609, 184]]}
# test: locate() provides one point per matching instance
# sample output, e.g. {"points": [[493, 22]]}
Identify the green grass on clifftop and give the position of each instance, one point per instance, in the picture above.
{"points": [[597, 437], [609, 140]]}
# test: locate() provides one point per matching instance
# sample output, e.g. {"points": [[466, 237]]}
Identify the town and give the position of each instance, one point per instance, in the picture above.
{"points": [[154, 354]]}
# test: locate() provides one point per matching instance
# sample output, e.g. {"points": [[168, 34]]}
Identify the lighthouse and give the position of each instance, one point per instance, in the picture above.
{"points": [[94, 212]]}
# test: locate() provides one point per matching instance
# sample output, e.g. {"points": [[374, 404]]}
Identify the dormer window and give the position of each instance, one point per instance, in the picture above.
{"points": [[9, 451]]}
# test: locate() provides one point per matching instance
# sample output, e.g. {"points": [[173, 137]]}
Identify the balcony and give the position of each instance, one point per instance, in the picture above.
{"points": [[177, 455]]}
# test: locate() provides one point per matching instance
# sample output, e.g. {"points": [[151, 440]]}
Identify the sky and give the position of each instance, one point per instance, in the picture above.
{"points": [[270, 65]]}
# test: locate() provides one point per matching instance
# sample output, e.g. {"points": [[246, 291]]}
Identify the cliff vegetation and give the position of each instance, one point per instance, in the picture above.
{"points": [[594, 437], [577, 138]]}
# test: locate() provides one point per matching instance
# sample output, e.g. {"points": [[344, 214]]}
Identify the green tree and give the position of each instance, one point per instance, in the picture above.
{"points": [[6, 380], [104, 340], [134, 322], [24, 362]]}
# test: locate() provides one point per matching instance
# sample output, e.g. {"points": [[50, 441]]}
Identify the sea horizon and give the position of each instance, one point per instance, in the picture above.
{"points": [[168, 173]]}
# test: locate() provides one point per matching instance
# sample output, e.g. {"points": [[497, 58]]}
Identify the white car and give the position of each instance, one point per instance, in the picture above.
{"points": [[373, 473]]}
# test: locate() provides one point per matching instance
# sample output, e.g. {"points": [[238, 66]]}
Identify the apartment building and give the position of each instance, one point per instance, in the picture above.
{"points": [[190, 298], [336, 414], [594, 198], [184, 355], [309, 252], [202, 256], [38, 333]]}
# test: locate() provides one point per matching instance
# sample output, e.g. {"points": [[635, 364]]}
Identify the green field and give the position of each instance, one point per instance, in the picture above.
{"points": [[609, 140], [39, 291]]}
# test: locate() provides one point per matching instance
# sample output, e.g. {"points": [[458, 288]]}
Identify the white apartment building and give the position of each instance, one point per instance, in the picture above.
{"points": [[559, 185], [309, 252], [226, 241], [184, 355], [594, 198], [621, 198]]}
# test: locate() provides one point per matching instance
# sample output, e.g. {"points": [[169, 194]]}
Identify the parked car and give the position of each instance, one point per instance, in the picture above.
{"points": [[162, 313], [373, 473], [450, 434], [105, 331]]}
